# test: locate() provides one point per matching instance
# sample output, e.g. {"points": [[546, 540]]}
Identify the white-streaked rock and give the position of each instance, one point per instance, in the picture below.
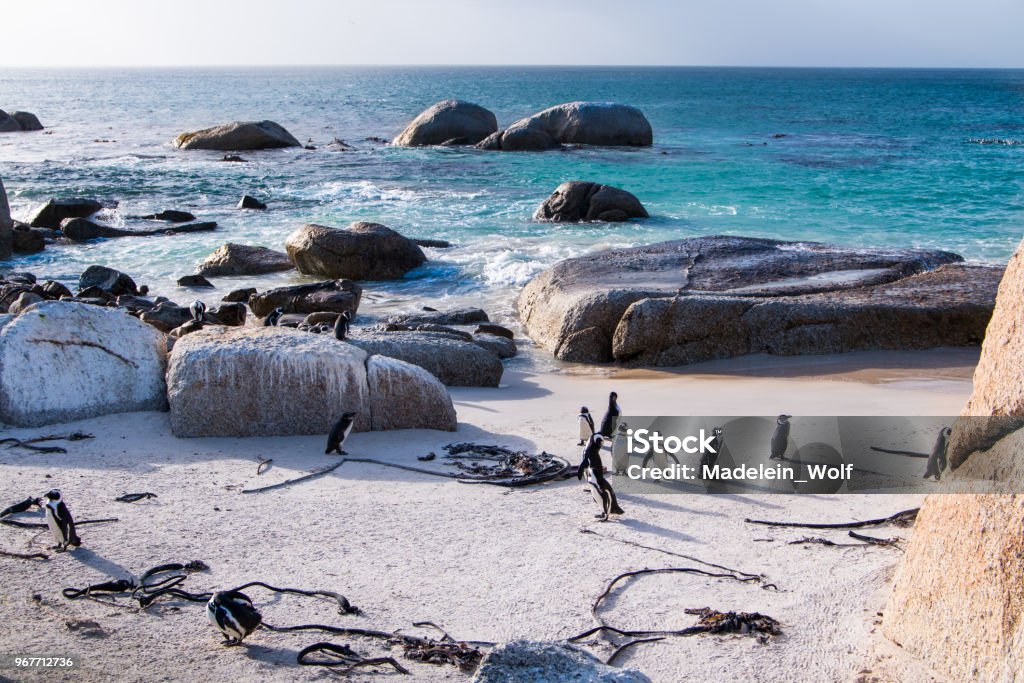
{"points": [[62, 361], [405, 396]]}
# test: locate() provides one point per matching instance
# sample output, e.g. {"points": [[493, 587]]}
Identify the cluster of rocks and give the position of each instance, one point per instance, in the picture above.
{"points": [[18, 121], [699, 299]]}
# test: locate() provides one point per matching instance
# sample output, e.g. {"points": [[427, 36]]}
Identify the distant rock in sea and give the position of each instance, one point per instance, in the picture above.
{"points": [[18, 121], [577, 200], [575, 123], [448, 121], [237, 136], [362, 251]]}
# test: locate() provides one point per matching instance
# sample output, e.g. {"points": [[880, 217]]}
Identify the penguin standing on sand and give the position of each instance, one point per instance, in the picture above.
{"points": [[198, 310], [599, 486], [233, 614], [342, 428], [341, 325], [611, 416], [780, 439], [60, 521], [709, 457], [273, 317], [586, 426], [937, 459]]}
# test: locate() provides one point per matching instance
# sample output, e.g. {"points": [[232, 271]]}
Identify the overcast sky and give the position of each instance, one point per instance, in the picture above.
{"points": [[927, 33]]}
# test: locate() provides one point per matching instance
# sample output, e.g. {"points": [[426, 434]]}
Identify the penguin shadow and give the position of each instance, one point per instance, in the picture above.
{"points": [[271, 655], [525, 388], [659, 531], [90, 558], [641, 501]]}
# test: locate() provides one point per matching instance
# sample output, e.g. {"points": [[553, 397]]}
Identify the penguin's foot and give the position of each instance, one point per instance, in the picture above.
{"points": [[231, 642], [618, 511], [342, 452], [580, 443]]}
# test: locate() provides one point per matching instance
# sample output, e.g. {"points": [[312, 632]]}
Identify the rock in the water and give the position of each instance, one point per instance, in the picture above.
{"points": [[194, 281], [699, 299], [576, 123], [549, 662], [82, 229], [27, 120], [330, 295], [6, 225], [264, 381], [109, 280], [432, 244], [8, 124], [64, 361], [55, 211], [26, 240], [238, 135], [242, 259], [170, 216], [455, 362], [362, 251], [239, 295], [249, 202], [448, 120], [458, 316], [405, 396], [22, 303], [582, 201]]}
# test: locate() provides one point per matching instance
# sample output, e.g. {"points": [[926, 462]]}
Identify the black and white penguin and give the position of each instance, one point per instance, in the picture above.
{"points": [[707, 458], [273, 317], [780, 439], [233, 614], [937, 459], [198, 310], [341, 325], [342, 428], [593, 468], [586, 426], [60, 521], [611, 417]]}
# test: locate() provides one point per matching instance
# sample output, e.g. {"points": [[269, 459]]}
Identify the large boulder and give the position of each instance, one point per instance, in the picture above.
{"points": [[405, 396], [241, 259], [454, 361], [107, 279], [577, 200], [575, 123], [238, 135], [262, 381], [55, 211], [549, 662], [362, 251], [27, 120], [62, 361], [330, 295], [6, 225], [448, 120], [698, 299]]}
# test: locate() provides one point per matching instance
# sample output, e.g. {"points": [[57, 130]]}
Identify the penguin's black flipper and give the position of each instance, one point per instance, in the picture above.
{"points": [[581, 469], [616, 510]]}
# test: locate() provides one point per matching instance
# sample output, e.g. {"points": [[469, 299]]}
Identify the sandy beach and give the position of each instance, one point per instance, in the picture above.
{"points": [[485, 563]]}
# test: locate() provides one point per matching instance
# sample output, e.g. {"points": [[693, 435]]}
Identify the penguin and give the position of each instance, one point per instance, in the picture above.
{"points": [[198, 310], [780, 439], [602, 491], [586, 426], [342, 428], [707, 458], [273, 317], [610, 417], [60, 521], [233, 614], [341, 325], [620, 452], [937, 460]]}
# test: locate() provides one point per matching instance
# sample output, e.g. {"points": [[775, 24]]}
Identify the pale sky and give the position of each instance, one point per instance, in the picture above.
{"points": [[917, 33]]}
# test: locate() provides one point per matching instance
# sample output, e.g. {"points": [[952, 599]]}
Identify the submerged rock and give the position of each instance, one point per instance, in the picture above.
{"points": [[576, 123], [64, 361], [362, 251], [249, 202], [699, 299], [576, 201], [237, 136], [26, 240], [549, 662], [194, 281], [330, 295], [241, 259], [446, 121], [170, 216], [55, 211]]}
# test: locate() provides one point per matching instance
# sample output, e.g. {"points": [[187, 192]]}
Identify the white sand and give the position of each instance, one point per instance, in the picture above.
{"points": [[484, 562]]}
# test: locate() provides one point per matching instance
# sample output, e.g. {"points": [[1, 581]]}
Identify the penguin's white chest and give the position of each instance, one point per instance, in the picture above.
{"points": [[585, 430], [51, 521]]}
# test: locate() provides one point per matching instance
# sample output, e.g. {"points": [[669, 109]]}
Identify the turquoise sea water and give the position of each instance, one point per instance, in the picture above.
{"points": [[857, 157]]}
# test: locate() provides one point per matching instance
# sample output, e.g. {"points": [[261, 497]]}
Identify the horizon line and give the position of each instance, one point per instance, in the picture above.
{"points": [[79, 67]]}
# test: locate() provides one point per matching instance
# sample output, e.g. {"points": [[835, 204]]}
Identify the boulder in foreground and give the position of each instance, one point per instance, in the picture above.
{"points": [[242, 259], [448, 120], [575, 123], [62, 361], [238, 135], [577, 200], [550, 662], [362, 251], [405, 396], [705, 298]]}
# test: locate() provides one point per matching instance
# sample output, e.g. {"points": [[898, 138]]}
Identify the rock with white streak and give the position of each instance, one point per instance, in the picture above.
{"points": [[405, 396]]}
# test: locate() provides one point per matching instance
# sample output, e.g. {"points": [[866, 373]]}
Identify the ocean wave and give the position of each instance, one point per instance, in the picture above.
{"points": [[994, 141]]}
